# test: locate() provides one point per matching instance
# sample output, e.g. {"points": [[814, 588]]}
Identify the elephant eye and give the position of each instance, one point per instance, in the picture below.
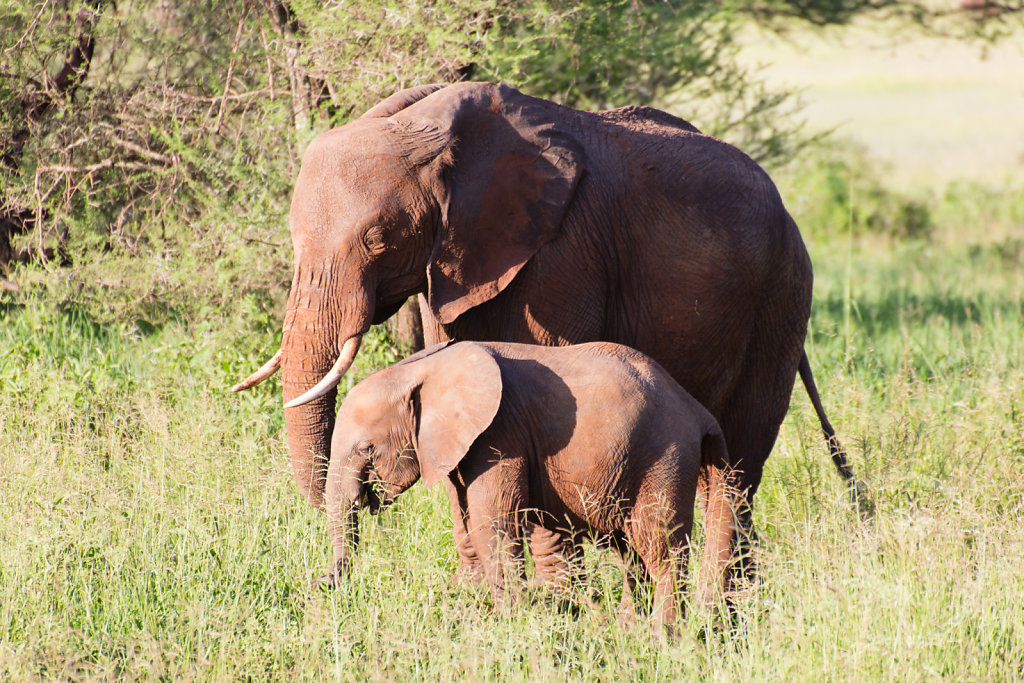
{"points": [[366, 449], [374, 239]]}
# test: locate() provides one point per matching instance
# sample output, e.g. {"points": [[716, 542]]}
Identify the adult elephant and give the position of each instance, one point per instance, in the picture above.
{"points": [[520, 220]]}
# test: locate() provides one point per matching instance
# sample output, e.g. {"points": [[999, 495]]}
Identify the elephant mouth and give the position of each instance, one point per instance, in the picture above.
{"points": [[376, 496], [385, 312], [372, 500]]}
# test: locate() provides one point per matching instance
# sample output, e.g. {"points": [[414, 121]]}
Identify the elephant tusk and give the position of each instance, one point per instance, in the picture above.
{"points": [[333, 376], [268, 369]]}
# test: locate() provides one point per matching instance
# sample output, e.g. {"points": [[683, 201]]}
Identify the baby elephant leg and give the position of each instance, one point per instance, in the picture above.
{"points": [[499, 545], [470, 569], [494, 501], [557, 557], [719, 503], [660, 534], [634, 575]]}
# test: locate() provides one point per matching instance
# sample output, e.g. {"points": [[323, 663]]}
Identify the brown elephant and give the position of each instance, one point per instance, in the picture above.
{"points": [[594, 439], [516, 219]]}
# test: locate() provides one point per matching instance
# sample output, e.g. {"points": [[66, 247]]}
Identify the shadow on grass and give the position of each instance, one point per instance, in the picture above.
{"points": [[900, 309]]}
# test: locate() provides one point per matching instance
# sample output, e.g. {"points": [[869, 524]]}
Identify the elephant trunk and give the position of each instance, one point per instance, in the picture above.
{"points": [[347, 491], [334, 375], [343, 526], [317, 326]]}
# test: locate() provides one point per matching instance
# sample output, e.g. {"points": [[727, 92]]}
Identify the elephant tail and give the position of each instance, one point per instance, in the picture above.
{"points": [[835, 449]]}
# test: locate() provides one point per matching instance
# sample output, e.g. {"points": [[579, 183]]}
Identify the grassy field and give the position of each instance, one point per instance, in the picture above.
{"points": [[933, 110], [151, 529]]}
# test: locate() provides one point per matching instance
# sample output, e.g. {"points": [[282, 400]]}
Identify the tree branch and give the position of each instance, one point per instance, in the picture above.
{"points": [[231, 72], [35, 103], [75, 68]]}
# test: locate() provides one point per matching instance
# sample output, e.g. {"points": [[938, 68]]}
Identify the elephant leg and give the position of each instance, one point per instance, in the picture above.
{"points": [[753, 443], [470, 571], [750, 421], [557, 557], [499, 545], [661, 539], [406, 326], [634, 574], [494, 502], [718, 504]]}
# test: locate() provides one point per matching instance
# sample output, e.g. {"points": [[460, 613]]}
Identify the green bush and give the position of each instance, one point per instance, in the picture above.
{"points": [[161, 175], [835, 189]]}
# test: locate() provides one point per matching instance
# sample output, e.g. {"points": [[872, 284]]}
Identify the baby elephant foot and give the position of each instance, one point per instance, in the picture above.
{"points": [[325, 582], [468, 577], [625, 618], [470, 572], [666, 619], [625, 615], [331, 579], [505, 599]]}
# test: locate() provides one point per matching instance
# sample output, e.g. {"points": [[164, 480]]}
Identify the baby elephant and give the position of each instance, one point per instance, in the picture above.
{"points": [[595, 439]]}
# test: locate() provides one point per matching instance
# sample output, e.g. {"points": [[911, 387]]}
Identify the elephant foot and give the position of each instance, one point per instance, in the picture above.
{"points": [[625, 618], [470, 572], [468, 577], [665, 632], [331, 579], [325, 582], [625, 615]]}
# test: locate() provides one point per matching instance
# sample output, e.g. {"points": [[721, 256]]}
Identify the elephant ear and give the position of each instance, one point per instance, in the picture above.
{"points": [[400, 100], [459, 391], [504, 189]]}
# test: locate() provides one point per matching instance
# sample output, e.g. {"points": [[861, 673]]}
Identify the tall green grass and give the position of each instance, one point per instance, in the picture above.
{"points": [[151, 529]]}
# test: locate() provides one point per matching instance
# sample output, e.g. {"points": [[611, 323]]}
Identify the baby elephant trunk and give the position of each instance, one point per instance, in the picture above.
{"points": [[343, 526]]}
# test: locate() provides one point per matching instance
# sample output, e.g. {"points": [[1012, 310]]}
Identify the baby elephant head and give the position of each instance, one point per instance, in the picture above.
{"points": [[416, 418]]}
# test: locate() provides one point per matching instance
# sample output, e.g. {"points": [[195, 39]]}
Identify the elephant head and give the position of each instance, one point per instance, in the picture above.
{"points": [[389, 205], [416, 418]]}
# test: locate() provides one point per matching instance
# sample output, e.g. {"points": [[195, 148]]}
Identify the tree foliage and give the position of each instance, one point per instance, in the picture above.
{"points": [[153, 144]]}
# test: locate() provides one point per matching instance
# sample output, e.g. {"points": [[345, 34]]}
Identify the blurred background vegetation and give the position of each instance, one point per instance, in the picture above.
{"points": [[148, 148]]}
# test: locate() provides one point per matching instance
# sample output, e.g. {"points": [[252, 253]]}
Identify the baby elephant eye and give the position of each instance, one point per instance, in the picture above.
{"points": [[366, 449]]}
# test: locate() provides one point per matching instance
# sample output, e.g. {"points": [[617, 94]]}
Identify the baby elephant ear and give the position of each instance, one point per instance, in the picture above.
{"points": [[458, 399]]}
